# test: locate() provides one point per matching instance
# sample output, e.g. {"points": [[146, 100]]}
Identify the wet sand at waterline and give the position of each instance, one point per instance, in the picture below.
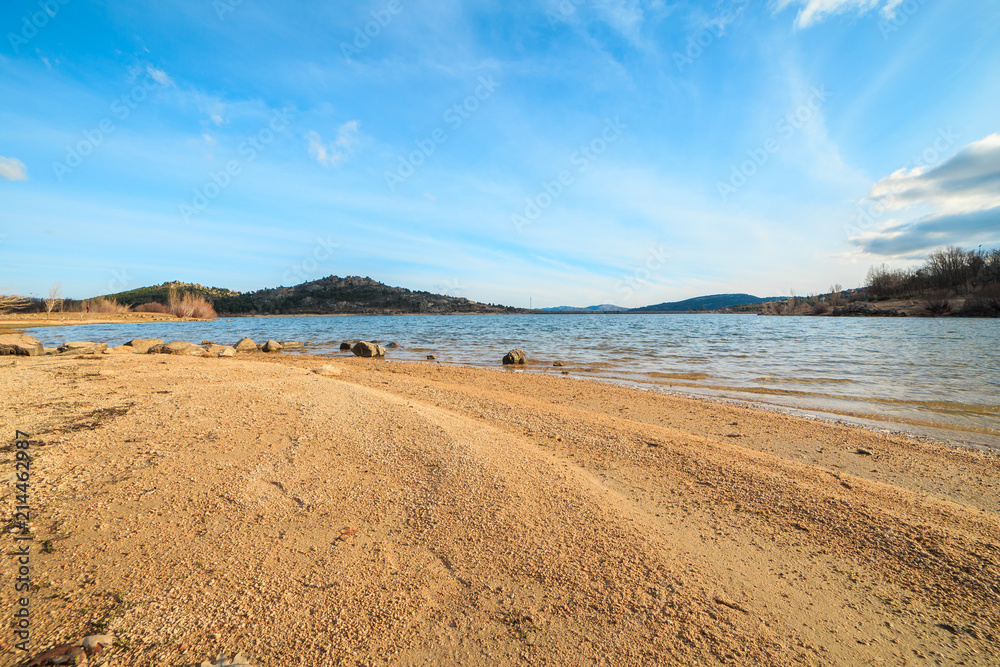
{"points": [[413, 513]]}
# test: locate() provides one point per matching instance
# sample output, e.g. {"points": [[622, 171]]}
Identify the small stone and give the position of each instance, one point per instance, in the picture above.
{"points": [[862, 451], [558, 363], [431, 357], [272, 346]]}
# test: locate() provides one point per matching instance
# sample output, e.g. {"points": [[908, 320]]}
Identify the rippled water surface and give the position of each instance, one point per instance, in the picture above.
{"points": [[934, 376]]}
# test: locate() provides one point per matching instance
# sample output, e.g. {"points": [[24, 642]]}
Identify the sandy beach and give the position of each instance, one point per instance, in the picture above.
{"points": [[412, 513]]}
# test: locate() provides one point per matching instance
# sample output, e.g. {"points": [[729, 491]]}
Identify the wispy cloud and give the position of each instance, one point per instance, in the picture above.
{"points": [[962, 195], [12, 169], [159, 76], [337, 151], [816, 11]]}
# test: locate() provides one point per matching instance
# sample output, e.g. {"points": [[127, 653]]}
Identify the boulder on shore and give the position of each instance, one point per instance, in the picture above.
{"points": [[245, 344], [82, 347], [213, 350], [22, 345], [179, 347], [228, 351], [142, 345], [365, 349], [272, 346], [515, 357], [121, 349]]}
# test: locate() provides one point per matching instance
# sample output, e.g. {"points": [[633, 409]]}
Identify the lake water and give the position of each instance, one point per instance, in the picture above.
{"points": [[937, 377]]}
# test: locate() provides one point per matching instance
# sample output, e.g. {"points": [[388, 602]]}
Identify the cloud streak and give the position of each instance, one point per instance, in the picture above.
{"points": [[962, 193], [817, 11]]}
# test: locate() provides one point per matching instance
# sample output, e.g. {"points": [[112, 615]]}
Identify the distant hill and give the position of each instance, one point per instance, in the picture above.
{"points": [[710, 302], [351, 295], [160, 293], [603, 308], [331, 295]]}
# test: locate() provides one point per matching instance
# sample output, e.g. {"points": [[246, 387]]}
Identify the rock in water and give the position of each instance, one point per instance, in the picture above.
{"points": [[514, 357], [293, 345], [345, 346], [272, 346], [365, 349], [142, 345], [392, 345], [246, 344], [21, 345]]}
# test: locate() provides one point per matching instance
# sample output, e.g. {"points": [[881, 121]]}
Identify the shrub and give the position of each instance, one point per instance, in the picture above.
{"points": [[152, 307], [102, 305], [820, 308], [937, 303], [190, 305]]}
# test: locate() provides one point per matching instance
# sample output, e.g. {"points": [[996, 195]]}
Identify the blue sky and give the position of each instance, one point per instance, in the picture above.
{"points": [[567, 151]]}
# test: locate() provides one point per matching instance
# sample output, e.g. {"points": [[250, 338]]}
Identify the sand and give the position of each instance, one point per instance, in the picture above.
{"points": [[417, 514]]}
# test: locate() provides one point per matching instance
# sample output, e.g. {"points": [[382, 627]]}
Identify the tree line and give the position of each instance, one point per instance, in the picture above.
{"points": [[950, 270]]}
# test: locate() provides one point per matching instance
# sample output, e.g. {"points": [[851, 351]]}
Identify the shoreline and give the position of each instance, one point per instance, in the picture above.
{"points": [[496, 517], [875, 413]]}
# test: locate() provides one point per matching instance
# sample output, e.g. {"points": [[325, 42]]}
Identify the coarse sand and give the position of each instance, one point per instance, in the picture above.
{"points": [[411, 513]]}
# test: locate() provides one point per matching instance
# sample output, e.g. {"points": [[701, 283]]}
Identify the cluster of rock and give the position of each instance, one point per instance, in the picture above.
{"points": [[862, 309], [29, 346], [24, 345]]}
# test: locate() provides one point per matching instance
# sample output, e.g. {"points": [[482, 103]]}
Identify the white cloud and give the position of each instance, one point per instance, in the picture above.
{"points": [[816, 11], [337, 151], [956, 202], [12, 169], [159, 76]]}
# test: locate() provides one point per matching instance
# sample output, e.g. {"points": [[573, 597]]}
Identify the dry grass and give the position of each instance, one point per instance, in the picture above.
{"points": [[190, 305], [102, 305], [152, 307]]}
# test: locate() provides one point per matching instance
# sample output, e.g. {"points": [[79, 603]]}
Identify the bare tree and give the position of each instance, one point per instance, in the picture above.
{"points": [[9, 302], [54, 299], [836, 299]]}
